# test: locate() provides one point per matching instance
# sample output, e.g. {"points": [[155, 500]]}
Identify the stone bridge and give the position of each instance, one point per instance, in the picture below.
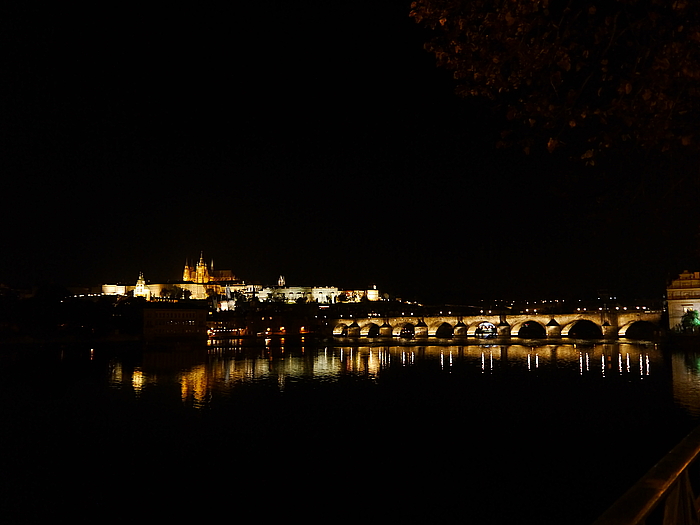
{"points": [[609, 324]]}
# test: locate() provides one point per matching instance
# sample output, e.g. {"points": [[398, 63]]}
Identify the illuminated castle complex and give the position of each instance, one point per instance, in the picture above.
{"points": [[201, 281]]}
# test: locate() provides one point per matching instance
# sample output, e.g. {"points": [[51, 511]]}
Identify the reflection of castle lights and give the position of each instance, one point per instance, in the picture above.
{"points": [[194, 383], [137, 380], [226, 369]]}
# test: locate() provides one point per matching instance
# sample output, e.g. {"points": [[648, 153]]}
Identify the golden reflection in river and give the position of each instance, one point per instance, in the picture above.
{"points": [[223, 369], [137, 380], [194, 384]]}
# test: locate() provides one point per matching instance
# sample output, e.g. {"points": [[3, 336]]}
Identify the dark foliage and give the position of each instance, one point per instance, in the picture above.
{"points": [[585, 75]]}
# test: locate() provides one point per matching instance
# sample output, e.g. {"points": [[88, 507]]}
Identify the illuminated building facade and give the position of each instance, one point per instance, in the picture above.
{"points": [[293, 294], [682, 295], [141, 290], [314, 294]]}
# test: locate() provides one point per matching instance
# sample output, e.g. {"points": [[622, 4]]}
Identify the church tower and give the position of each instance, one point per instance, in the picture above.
{"points": [[202, 272], [141, 290], [187, 272]]}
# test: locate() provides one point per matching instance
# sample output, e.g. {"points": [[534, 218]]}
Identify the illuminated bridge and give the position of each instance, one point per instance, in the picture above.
{"points": [[607, 324]]}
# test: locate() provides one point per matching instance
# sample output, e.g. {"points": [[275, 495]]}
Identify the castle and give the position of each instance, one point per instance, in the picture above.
{"points": [[202, 281], [199, 281]]}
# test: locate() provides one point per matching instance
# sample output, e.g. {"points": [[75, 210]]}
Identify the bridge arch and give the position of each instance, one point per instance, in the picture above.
{"points": [[370, 330], [638, 329], [482, 328], [405, 330], [340, 330], [529, 329], [583, 329], [444, 331]]}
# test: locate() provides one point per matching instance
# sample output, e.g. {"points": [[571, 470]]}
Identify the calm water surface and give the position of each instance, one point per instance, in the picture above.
{"points": [[479, 433]]}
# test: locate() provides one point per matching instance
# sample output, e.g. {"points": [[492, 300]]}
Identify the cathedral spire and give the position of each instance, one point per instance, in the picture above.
{"points": [[187, 272], [201, 272]]}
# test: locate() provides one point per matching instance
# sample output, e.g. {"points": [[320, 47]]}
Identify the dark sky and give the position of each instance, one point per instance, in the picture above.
{"points": [[313, 139]]}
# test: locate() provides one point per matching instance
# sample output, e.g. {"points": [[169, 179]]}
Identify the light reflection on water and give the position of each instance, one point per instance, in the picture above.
{"points": [[443, 423], [222, 369]]}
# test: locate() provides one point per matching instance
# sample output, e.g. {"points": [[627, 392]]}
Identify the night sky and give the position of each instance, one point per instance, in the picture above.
{"points": [[314, 140]]}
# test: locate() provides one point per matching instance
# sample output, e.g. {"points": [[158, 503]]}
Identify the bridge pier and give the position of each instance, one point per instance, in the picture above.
{"points": [[420, 331], [609, 331], [553, 329], [460, 329], [354, 330], [503, 329]]}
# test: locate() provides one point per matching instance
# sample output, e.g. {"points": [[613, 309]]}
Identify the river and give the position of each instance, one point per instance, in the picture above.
{"points": [[487, 432]]}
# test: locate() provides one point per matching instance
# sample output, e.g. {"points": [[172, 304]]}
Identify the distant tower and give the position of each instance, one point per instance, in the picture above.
{"points": [[187, 272], [140, 290], [202, 273], [280, 281]]}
